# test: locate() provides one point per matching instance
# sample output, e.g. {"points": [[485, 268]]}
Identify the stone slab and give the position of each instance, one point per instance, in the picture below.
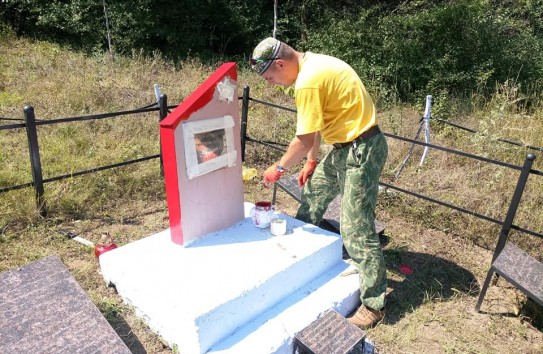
{"points": [[331, 333], [44, 310], [521, 269]]}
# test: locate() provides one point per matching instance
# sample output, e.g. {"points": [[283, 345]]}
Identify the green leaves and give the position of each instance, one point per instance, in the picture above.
{"points": [[447, 47], [402, 50]]}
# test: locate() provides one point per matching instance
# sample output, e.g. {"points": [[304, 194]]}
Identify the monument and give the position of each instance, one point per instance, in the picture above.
{"points": [[201, 150], [213, 282]]}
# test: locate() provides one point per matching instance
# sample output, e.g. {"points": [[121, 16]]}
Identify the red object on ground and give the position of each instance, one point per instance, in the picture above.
{"points": [[405, 269], [106, 244], [100, 249]]}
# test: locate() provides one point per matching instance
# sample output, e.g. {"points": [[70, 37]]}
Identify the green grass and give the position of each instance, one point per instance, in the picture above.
{"points": [[430, 311]]}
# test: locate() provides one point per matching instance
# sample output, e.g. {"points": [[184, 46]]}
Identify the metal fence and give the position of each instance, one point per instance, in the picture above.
{"points": [[506, 224], [31, 124]]}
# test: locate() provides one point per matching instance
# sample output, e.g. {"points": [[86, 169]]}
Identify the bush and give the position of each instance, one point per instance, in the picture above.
{"points": [[440, 49], [402, 50]]}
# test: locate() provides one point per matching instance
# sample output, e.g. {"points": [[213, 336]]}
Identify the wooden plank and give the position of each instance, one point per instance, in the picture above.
{"points": [[44, 310], [332, 215], [522, 270]]}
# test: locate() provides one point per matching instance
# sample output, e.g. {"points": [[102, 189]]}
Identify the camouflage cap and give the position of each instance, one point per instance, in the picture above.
{"points": [[264, 53]]}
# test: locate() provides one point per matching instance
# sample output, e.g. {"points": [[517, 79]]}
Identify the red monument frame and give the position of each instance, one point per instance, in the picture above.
{"points": [[212, 201]]}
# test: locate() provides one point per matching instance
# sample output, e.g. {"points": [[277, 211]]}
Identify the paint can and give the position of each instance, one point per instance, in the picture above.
{"points": [[262, 214], [106, 244], [278, 226]]}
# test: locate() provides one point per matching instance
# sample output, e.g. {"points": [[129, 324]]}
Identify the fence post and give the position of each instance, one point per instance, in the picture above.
{"points": [[163, 112], [35, 163], [515, 201], [427, 116], [244, 114]]}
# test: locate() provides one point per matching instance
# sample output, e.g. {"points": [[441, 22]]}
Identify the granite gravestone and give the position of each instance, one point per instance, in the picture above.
{"points": [[330, 334], [44, 310]]}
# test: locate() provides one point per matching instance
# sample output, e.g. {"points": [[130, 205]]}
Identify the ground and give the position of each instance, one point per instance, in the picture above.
{"points": [[429, 311], [433, 309]]}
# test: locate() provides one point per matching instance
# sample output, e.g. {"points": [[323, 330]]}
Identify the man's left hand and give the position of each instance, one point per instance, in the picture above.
{"points": [[307, 171]]}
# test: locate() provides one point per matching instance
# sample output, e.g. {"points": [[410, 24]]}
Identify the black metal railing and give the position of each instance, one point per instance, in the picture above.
{"points": [[31, 124], [506, 224]]}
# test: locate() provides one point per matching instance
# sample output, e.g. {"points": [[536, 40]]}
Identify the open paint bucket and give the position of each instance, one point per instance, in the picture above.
{"points": [[261, 214]]}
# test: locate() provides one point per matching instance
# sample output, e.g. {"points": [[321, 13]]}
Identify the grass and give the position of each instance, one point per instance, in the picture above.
{"points": [[429, 311]]}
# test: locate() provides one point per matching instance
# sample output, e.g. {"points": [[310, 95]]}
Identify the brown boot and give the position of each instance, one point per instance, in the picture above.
{"points": [[366, 317]]}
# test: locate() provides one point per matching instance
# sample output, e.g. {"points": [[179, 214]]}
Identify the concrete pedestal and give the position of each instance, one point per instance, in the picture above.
{"points": [[240, 290]]}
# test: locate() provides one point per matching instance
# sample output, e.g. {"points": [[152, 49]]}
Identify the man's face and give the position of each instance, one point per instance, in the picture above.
{"points": [[279, 74]]}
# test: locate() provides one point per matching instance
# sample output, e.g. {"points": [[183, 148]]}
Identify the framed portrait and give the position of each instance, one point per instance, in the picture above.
{"points": [[209, 145]]}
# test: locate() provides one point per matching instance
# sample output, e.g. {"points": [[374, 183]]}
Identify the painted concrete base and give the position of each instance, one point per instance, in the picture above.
{"points": [[240, 290]]}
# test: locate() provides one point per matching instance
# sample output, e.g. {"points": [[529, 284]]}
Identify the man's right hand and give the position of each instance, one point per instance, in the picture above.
{"points": [[272, 175]]}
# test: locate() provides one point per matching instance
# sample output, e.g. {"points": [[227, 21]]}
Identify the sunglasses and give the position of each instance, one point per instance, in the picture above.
{"points": [[253, 61]]}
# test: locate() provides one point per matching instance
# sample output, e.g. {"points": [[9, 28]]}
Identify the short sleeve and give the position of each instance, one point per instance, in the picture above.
{"points": [[309, 108]]}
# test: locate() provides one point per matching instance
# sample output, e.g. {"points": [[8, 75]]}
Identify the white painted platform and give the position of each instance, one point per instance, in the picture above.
{"points": [[240, 290]]}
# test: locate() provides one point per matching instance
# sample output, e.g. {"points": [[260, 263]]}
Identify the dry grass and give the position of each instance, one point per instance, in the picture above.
{"points": [[430, 311]]}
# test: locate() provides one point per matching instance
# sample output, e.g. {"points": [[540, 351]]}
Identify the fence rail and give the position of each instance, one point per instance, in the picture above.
{"points": [[516, 143], [506, 224], [31, 124]]}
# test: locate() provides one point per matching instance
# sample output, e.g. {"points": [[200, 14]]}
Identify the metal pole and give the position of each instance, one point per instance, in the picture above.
{"points": [[275, 19], [35, 163], [515, 201], [427, 116], [163, 112], [409, 152], [244, 115], [157, 93], [107, 28]]}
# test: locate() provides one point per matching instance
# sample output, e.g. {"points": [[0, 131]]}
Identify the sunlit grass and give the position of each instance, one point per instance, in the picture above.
{"points": [[60, 83]]}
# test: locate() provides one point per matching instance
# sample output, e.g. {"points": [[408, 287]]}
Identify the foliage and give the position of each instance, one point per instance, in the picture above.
{"points": [[176, 28], [402, 50], [446, 50]]}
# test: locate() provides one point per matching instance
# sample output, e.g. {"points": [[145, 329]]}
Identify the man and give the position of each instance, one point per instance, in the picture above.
{"points": [[333, 104]]}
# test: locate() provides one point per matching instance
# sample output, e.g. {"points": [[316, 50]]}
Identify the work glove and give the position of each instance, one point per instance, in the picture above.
{"points": [[306, 171], [272, 175]]}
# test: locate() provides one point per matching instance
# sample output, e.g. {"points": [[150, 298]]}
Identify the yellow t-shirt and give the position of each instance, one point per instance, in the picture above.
{"points": [[331, 99]]}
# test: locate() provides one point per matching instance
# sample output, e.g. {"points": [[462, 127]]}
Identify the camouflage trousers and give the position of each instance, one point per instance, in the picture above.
{"points": [[353, 172]]}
